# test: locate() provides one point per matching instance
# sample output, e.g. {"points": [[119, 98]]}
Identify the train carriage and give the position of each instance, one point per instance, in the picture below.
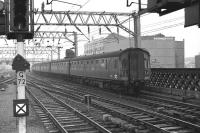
{"points": [[124, 69]]}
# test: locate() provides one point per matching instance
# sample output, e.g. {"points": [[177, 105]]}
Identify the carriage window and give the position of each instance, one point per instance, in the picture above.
{"points": [[115, 63], [106, 63]]}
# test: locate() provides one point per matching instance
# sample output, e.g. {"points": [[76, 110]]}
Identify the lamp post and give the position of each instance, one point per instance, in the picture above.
{"points": [[59, 47], [51, 52]]}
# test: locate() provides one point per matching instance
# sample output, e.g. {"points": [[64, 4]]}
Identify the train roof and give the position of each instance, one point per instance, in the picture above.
{"points": [[135, 49], [103, 55], [110, 54]]}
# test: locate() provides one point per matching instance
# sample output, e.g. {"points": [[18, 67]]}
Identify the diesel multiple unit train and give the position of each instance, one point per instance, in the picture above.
{"points": [[123, 71]]}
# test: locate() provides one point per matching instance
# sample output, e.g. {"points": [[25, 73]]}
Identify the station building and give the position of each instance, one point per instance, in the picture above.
{"points": [[197, 61], [165, 52]]}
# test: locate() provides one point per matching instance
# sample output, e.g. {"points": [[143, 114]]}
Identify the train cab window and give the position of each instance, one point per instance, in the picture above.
{"points": [[102, 60], [97, 61], [91, 61], [146, 62]]}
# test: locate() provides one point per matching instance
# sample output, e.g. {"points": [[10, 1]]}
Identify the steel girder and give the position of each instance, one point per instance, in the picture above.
{"points": [[71, 18], [76, 19], [5, 51]]}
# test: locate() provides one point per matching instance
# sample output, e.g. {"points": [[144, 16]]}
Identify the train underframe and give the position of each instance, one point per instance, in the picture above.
{"points": [[116, 86]]}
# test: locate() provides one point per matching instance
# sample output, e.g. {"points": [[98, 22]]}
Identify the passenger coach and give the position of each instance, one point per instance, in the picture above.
{"points": [[124, 70]]}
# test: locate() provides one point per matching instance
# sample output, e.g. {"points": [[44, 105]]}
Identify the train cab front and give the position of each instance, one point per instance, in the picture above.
{"points": [[135, 68]]}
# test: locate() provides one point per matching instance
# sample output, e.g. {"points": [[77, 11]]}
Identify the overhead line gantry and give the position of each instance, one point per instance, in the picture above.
{"points": [[81, 18]]}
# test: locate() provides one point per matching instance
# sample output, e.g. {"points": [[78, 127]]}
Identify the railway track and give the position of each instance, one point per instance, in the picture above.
{"points": [[180, 110], [65, 117], [150, 119], [7, 80], [185, 111]]}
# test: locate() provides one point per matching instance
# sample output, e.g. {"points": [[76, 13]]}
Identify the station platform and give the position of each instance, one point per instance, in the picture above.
{"points": [[8, 123]]}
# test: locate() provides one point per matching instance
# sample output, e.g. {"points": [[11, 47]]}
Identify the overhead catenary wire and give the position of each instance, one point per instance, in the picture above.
{"points": [[154, 24], [76, 11], [162, 28], [163, 22], [171, 20]]}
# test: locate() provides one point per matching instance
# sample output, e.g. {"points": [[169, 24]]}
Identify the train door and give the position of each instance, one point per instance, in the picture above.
{"points": [[136, 65], [124, 67], [84, 68], [147, 70], [128, 66], [69, 67]]}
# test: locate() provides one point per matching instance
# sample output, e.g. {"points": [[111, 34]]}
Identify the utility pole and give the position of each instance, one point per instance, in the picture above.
{"points": [[137, 27], [51, 53], [137, 30], [59, 52], [51, 50], [76, 43]]}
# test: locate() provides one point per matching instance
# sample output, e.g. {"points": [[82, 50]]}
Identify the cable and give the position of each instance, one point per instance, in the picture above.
{"points": [[63, 2], [135, 3], [72, 6], [164, 22], [84, 4], [158, 23], [163, 28]]}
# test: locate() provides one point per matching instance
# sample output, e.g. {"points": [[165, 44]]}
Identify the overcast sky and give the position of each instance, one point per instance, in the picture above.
{"points": [[150, 23], [190, 34]]}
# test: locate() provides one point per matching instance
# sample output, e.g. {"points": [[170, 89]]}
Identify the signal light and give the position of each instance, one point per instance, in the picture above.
{"points": [[19, 15]]}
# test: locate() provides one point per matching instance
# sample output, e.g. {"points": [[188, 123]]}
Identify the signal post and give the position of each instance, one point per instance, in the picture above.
{"points": [[19, 26]]}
